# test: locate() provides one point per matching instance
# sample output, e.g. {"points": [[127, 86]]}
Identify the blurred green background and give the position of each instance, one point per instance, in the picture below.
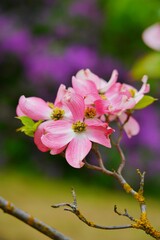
{"points": [[43, 44]]}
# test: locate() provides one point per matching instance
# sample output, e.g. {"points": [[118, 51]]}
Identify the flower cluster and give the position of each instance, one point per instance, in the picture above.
{"points": [[81, 114]]}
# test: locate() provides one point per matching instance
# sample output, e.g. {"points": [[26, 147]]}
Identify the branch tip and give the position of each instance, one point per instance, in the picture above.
{"points": [[125, 214]]}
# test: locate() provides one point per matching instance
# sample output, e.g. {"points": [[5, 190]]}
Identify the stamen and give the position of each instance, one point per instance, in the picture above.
{"points": [[90, 112], [57, 113], [79, 126], [132, 92], [51, 105], [103, 96]]}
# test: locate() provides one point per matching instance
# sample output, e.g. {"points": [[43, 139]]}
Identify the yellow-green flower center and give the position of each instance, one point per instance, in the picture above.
{"points": [[133, 92], [103, 96], [79, 127], [90, 112], [51, 105], [57, 113]]}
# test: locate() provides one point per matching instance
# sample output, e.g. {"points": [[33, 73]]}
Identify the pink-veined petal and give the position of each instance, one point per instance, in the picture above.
{"points": [[19, 112], [38, 134], [101, 106], [59, 126], [131, 127], [87, 75], [77, 150], [58, 134], [76, 105], [111, 82], [127, 104], [60, 94], [145, 86], [98, 135], [35, 108], [85, 88], [96, 122], [55, 151]]}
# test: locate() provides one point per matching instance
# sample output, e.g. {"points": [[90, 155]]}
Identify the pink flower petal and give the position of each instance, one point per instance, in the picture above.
{"points": [[60, 94], [131, 127], [96, 122], [59, 126], [61, 91], [87, 75], [85, 88], [77, 150], [111, 81], [127, 104], [55, 151], [35, 108], [58, 134], [101, 106], [98, 135], [37, 137], [76, 105], [144, 89], [19, 112]]}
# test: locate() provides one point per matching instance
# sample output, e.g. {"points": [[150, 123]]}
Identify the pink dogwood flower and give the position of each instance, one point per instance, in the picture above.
{"points": [[34, 107], [90, 86], [76, 134], [37, 109], [101, 84], [109, 98], [79, 115], [120, 97]]}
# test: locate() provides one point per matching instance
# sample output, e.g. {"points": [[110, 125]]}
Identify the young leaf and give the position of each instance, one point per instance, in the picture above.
{"points": [[144, 102], [29, 126]]}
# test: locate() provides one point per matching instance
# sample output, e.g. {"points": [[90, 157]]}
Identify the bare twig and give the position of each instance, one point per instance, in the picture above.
{"points": [[142, 175], [125, 214], [11, 209], [97, 168], [100, 167], [123, 159], [117, 143], [72, 207]]}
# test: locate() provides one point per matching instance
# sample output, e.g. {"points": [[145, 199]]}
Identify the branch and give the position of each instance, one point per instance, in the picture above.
{"points": [[11, 209], [100, 167], [72, 207], [141, 223], [123, 159], [117, 143]]}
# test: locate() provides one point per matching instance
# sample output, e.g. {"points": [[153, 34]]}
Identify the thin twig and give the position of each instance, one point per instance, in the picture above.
{"points": [[141, 190], [100, 167], [71, 207], [97, 168], [123, 159], [125, 214], [40, 226], [117, 143], [142, 175]]}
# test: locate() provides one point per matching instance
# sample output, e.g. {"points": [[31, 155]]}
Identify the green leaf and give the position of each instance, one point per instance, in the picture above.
{"points": [[26, 120], [144, 102], [29, 126]]}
